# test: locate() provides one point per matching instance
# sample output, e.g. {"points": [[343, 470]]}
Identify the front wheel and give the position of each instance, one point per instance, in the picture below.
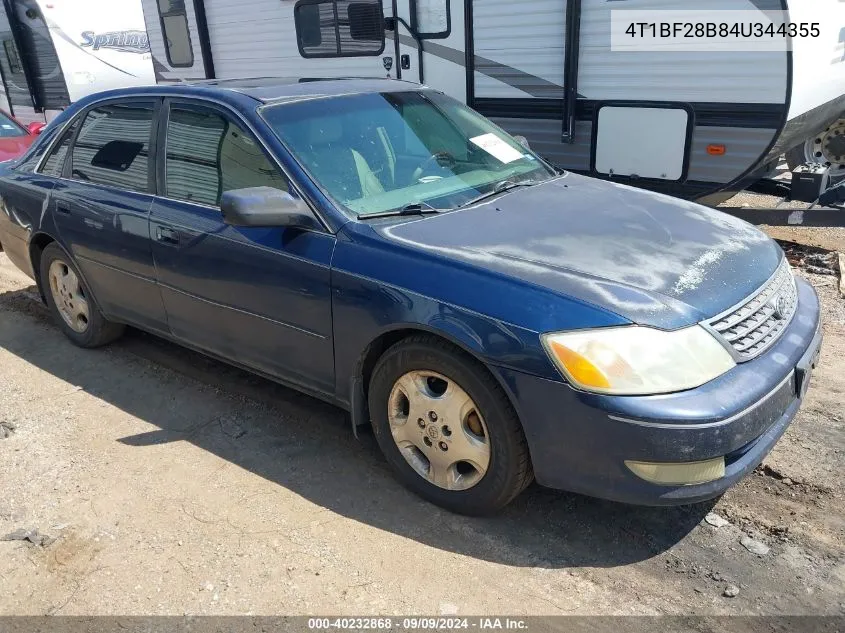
{"points": [[447, 428]]}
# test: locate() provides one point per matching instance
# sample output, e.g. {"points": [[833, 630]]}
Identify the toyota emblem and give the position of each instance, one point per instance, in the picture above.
{"points": [[780, 306]]}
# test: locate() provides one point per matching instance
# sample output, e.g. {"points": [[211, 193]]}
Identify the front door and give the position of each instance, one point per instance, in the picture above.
{"points": [[257, 296]]}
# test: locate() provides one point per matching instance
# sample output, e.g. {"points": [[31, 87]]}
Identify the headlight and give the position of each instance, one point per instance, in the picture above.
{"points": [[635, 360]]}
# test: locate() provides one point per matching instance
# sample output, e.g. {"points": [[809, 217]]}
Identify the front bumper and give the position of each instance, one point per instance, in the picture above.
{"points": [[580, 441]]}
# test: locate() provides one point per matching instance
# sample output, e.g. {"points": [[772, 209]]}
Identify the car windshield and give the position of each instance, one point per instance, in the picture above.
{"points": [[8, 127], [381, 152]]}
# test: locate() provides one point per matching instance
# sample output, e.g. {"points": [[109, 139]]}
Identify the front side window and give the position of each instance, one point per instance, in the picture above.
{"points": [[177, 36], [208, 154], [380, 152], [339, 28], [112, 147], [54, 165]]}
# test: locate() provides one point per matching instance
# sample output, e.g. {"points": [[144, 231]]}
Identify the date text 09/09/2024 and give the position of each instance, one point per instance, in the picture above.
{"points": [[723, 29], [418, 624]]}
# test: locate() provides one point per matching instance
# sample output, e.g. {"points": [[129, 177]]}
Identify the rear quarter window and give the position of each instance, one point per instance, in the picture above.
{"points": [[29, 161]]}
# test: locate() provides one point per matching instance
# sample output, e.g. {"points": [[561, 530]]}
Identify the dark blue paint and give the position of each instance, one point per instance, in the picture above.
{"points": [[304, 306], [106, 231], [650, 258], [260, 296]]}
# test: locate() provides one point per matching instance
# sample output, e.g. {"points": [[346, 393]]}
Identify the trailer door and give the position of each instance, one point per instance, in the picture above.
{"points": [[431, 43], [519, 54]]}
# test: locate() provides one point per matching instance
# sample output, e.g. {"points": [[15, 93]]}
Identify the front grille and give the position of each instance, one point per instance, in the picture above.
{"points": [[755, 325]]}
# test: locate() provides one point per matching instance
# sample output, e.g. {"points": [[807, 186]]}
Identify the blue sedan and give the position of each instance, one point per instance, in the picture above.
{"points": [[380, 246]]}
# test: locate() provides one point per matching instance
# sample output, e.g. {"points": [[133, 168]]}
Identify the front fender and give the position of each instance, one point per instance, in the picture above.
{"points": [[379, 287], [366, 310]]}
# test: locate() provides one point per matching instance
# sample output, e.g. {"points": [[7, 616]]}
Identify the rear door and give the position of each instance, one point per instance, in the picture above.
{"points": [[101, 208], [257, 296]]}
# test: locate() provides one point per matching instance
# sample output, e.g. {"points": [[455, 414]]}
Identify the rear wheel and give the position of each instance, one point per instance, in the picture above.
{"points": [[71, 303], [826, 148], [447, 428]]}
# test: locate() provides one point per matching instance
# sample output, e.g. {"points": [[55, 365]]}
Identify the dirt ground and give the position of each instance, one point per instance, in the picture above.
{"points": [[166, 483]]}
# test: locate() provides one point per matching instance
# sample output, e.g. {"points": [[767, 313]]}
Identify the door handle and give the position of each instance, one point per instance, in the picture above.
{"points": [[62, 208], [166, 235]]}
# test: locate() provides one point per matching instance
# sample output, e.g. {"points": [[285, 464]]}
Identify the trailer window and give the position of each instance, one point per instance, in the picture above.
{"points": [[339, 28], [177, 36], [431, 18]]}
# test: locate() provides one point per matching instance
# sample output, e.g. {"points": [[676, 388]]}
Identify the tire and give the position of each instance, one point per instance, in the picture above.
{"points": [[830, 144], [427, 365], [92, 331]]}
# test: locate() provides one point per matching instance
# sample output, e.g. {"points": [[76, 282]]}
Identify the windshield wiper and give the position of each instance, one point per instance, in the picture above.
{"points": [[414, 208], [501, 187]]}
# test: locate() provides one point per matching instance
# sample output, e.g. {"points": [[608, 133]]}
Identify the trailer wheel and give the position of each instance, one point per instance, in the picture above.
{"points": [[826, 148]]}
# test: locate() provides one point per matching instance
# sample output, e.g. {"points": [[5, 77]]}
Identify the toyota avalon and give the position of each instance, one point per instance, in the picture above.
{"points": [[380, 246]]}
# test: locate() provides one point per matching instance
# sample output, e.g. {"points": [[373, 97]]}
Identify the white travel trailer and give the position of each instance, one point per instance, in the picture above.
{"points": [[688, 123], [57, 51]]}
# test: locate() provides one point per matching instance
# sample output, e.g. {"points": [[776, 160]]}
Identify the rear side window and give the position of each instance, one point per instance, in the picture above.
{"points": [[55, 162], [208, 154], [112, 147], [177, 37], [339, 28]]}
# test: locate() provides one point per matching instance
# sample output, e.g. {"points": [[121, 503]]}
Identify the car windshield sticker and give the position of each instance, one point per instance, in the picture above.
{"points": [[6, 126], [497, 148]]}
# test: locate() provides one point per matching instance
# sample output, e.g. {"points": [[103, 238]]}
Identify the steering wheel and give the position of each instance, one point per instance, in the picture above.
{"points": [[440, 159]]}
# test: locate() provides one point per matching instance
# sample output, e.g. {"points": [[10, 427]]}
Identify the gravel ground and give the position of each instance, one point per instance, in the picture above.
{"points": [[161, 482]]}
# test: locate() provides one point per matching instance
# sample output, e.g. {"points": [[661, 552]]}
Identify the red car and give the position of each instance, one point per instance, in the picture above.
{"points": [[15, 139]]}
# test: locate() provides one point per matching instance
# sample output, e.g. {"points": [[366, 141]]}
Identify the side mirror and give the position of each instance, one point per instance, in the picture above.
{"points": [[35, 127], [519, 138], [265, 206]]}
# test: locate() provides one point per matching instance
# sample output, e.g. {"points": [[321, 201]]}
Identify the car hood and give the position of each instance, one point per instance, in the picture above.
{"points": [[651, 258], [13, 146]]}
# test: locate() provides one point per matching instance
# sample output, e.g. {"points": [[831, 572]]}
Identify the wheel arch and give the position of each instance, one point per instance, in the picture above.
{"points": [[37, 244], [387, 338]]}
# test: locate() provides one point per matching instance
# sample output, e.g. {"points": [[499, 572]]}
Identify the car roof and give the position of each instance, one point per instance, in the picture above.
{"points": [[266, 89]]}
